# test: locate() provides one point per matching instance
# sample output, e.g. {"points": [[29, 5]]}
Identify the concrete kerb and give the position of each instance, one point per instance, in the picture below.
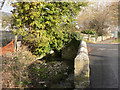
{"points": [[81, 67]]}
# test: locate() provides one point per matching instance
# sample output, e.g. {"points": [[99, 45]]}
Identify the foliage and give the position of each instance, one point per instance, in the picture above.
{"points": [[77, 36], [99, 17], [72, 32], [40, 23], [24, 71], [89, 31], [99, 25], [49, 73]]}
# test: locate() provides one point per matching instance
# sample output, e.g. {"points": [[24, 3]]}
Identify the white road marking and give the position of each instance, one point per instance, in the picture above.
{"points": [[101, 48]]}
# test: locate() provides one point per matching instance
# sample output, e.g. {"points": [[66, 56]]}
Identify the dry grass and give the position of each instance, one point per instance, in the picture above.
{"points": [[22, 70], [14, 68]]}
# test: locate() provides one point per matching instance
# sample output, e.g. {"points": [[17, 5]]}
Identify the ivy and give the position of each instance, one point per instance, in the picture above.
{"points": [[41, 23]]}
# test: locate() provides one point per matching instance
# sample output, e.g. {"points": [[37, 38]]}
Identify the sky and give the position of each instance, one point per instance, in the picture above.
{"points": [[7, 8]]}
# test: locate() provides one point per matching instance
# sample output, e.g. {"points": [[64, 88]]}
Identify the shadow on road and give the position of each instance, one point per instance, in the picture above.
{"points": [[104, 67]]}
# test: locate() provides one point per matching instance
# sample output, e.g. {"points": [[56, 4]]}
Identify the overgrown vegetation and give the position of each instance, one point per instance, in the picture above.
{"points": [[44, 74], [23, 70], [14, 69], [42, 24]]}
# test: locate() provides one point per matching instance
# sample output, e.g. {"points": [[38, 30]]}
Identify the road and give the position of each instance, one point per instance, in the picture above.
{"points": [[103, 65]]}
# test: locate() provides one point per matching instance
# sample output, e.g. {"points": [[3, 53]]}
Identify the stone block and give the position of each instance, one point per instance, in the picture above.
{"points": [[81, 68], [93, 39], [83, 44], [83, 50]]}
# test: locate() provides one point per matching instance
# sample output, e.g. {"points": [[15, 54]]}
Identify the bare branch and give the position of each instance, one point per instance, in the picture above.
{"points": [[1, 4]]}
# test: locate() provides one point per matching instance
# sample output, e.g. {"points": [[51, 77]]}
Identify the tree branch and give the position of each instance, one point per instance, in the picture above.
{"points": [[2, 3]]}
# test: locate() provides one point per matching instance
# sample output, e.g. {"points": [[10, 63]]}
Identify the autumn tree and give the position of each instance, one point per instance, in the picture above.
{"points": [[99, 17], [40, 23], [112, 10]]}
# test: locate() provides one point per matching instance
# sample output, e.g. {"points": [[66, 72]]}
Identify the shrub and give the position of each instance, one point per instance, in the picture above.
{"points": [[40, 23], [89, 31]]}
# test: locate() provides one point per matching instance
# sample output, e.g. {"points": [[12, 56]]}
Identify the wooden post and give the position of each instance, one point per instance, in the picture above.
{"points": [[88, 37], [102, 37], [16, 43]]}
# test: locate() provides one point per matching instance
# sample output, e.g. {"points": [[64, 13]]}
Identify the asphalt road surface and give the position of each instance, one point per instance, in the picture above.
{"points": [[104, 65]]}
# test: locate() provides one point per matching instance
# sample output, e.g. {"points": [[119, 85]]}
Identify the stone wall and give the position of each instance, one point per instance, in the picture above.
{"points": [[81, 67], [77, 53], [92, 38]]}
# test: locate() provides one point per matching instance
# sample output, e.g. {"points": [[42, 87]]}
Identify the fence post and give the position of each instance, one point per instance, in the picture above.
{"points": [[88, 37], [16, 43]]}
